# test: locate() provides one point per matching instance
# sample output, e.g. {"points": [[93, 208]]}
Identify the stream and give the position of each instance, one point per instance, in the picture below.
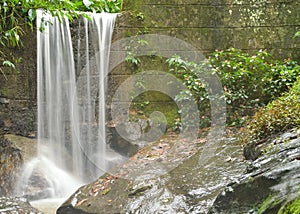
{"points": [[48, 206]]}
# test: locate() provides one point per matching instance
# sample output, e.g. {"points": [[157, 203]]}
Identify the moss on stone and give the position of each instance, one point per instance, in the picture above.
{"points": [[152, 101], [268, 204], [291, 208], [278, 116], [4, 91]]}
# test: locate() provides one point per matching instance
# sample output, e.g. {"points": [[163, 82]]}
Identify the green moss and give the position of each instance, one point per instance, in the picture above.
{"points": [[156, 96], [170, 111], [152, 101], [291, 208], [268, 204], [278, 116], [4, 92], [129, 5]]}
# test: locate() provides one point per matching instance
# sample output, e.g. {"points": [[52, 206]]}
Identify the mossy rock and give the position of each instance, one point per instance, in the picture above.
{"points": [[278, 116]]}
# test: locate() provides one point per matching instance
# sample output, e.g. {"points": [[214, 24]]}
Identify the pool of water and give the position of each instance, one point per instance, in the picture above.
{"points": [[48, 206]]}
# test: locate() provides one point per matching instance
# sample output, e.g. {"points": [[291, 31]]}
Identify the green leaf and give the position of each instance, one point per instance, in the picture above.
{"points": [[87, 3], [297, 34], [8, 64], [31, 14]]}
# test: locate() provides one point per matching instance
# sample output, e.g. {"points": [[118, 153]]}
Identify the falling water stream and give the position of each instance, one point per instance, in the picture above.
{"points": [[72, 147]]}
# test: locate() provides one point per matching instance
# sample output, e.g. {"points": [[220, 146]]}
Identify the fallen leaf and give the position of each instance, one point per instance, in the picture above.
{"points": [[104, 192], [81, 202]]}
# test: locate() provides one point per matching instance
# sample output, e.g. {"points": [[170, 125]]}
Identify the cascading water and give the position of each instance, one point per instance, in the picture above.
{"points": [[72, 145]]}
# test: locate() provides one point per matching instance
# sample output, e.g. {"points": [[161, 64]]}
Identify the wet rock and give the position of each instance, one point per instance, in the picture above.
{"points": [[70, 210], [4, 100], [17, 117], [139, 191], [251, 152], [1, 124], [36, 187], [121, 145], [27, 146], [95, 197], [270, 182], [23, 122], [10, 163], [146, 185], [141, 132], [16, 205], [15, 151]]}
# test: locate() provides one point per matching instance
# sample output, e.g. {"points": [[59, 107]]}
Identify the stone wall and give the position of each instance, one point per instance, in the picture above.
{"points": [[206, 24], [220, 24], [18, 90]]}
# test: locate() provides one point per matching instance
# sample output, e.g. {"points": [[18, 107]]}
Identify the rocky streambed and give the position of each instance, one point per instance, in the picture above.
{"points": [[227, 183]]}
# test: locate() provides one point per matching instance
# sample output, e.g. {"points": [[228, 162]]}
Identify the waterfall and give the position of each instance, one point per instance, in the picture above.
{"points": [[72, 146]]}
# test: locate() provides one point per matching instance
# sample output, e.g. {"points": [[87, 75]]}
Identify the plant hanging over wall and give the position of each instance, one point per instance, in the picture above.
{"points": [[18, 15]]}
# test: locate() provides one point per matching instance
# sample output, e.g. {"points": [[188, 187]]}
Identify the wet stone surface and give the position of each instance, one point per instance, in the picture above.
{"points": [[142, 186], [16, 206], [11, 161], [224, 184], [270, 182]]}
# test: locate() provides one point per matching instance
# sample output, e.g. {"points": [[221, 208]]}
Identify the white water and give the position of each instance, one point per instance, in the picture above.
{"points": [[72, 147]]}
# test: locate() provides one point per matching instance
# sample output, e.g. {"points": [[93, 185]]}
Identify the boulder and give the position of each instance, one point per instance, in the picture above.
{"points": [[163, 177], [14, 152], [121, 145], [270, 182], [10, 163]]}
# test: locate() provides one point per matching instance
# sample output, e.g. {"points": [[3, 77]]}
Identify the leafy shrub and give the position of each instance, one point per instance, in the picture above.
{"points": [[249, 81], [252, 81], [241, 75], [189, 73], [278, 116], [110, 6]]}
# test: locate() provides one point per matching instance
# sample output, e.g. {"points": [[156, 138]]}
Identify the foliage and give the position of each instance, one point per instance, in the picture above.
{"points": [[291, 208], [189, 73], [139, 102], [110, 6], [16, 16], [278, 116], [168, 109], [269, 203], [132, 49], [249, 81], [297, 34]]}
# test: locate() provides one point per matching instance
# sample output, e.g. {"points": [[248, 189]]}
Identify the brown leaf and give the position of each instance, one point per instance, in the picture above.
{"points": [[81, 202]]}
